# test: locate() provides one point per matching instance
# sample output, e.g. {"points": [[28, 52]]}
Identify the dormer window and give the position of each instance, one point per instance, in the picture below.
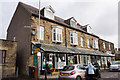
{"points": [[49, 12], [73, 23]]}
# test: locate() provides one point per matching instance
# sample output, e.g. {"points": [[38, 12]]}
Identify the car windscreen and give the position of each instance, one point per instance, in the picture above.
{"points": [[68, 68], [116, 62]]}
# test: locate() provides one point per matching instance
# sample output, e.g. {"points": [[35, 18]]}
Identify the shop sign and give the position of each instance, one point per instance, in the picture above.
{"points": [[36, 50]]}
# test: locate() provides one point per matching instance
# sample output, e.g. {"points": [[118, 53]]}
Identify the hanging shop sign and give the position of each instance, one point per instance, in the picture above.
{"points": [[35, 60], [36, 50]]}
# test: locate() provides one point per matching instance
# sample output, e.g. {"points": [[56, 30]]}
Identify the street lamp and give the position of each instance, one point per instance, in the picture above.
{"points": [[45, 57], [38, 67]]}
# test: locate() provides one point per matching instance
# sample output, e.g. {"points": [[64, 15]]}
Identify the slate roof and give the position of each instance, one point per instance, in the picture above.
{"points": [[34, 11], [69, 50]]}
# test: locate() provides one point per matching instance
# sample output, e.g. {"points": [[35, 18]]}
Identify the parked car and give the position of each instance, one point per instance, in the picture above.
{"points": [[115, 66], [73, 72]]}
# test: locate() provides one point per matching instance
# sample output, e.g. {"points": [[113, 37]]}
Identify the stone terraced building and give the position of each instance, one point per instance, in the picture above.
{"points": [[62, 40], [8, 51]]}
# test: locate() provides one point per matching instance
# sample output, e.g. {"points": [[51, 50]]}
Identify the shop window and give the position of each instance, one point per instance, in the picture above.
{"points": [[60, 61], [71, 59], [49, 59], [84, 59], [57, 34], [2, 56], [40, 33], [73, 38]]}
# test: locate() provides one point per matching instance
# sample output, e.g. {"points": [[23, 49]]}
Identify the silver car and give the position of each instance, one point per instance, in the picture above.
{"points": [[115, 66], [73, 72]]}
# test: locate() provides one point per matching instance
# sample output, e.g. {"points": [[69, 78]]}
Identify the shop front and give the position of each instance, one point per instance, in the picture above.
{"points": [[59, 56]]}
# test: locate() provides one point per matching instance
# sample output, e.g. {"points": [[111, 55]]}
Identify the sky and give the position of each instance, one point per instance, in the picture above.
{"points": [[101, 15]]}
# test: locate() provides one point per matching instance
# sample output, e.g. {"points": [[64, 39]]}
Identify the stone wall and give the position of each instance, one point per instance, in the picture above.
{"points": [[107, 46], [48, 34], [8, 68], [80, 34], [47, 31]]}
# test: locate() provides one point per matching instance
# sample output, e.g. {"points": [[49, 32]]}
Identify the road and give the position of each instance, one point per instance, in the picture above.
{"points": [[105, 75], [110, 75]]}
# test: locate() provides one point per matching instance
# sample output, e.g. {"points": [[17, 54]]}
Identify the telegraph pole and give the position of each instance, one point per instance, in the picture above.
{"points": [[39, 13], [38, 75], [44, 53]]}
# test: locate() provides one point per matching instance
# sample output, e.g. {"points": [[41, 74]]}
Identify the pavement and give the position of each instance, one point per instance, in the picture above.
{"points": [[42, 77]]}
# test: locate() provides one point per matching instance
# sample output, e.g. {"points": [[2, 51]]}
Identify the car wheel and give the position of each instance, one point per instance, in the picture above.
{"points": [[78, 78]]}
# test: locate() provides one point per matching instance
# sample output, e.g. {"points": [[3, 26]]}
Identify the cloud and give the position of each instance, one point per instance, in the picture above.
{"points": [[100, 14]]}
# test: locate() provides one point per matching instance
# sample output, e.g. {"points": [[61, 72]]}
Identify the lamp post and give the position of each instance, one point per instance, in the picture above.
{"points": [[38, 67], [45, 56]]}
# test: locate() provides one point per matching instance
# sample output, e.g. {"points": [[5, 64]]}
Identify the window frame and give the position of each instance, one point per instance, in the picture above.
{"points": [[88, 42], [95, 43], [49, 14], [58, 34], [104, 45], [40, 33], [73, 24], [82, 41], [109, 46], [74, 38], [3, 55]]}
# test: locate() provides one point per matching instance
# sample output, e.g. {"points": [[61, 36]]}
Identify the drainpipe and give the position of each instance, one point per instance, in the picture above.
{"points": [[66, 46]]}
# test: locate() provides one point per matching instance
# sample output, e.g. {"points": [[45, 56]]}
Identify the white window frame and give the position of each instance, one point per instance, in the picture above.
{"points": [[88, 43], [73, 23], [82, 41], [104, 46], [74, 37], [109, 46], [57, 31], [93, 43], [96, 44], [40, 33], [49, 14]]}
